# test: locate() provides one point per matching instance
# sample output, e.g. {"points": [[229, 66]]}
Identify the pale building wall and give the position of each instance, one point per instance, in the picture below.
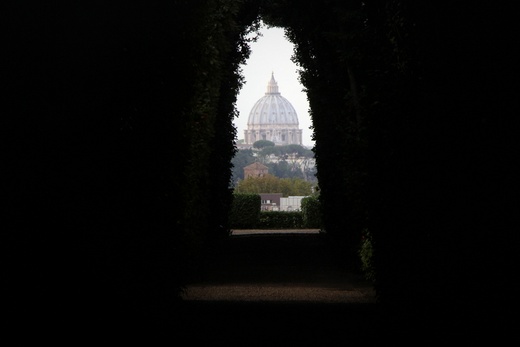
{"points": [[291, 203]]}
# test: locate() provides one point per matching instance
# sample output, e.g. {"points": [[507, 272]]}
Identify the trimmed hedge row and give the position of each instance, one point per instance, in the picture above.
{"points": [[246, 214], [245, 211], [311, 212], [280, 220]]}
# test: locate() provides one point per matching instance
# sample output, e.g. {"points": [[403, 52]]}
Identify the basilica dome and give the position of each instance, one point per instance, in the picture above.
{"points": [[273, 118]]}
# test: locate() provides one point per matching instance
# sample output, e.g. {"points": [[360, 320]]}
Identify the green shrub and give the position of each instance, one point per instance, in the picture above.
{"points": [[366, 254], [280, 220], [245, 211], [311, 212]]}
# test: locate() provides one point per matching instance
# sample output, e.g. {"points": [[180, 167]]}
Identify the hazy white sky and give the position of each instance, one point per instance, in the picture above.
{"points": [[272, 53]]}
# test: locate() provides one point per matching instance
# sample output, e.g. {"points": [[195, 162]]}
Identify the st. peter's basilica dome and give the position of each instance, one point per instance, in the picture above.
{"points": [[273, 118]]}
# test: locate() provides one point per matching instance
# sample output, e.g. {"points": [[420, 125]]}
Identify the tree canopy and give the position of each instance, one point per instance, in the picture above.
{"points": [[272, 184], [263, 143], [286, 150]]}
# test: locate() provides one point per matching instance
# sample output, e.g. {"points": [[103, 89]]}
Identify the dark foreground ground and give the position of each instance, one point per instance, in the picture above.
{"points": [[273, 289], [278, 286], [278, 267], [290, 288]]}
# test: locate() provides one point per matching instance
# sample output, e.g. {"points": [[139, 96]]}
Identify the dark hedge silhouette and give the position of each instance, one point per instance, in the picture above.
{"points": [[120, 142]]}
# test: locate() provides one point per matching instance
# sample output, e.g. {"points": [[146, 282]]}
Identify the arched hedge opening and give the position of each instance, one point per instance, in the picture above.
{"points": [[122, 141]]}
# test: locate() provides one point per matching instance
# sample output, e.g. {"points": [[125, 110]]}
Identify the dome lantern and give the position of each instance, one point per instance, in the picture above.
{"points": [[272, 86]]}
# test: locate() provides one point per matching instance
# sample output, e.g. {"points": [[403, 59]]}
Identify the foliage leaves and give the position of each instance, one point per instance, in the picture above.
{"points": [[245, 211], [263, 143], [311, 212], [331, 42], [272, 184]]}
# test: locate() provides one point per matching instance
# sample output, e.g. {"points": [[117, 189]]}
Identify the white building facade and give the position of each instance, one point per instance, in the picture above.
{"points": [[291, 203]]}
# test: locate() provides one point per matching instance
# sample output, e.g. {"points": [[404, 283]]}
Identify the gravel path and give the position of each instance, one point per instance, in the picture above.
{"points": [[278, 287], [286, 288], [278, 266]]}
